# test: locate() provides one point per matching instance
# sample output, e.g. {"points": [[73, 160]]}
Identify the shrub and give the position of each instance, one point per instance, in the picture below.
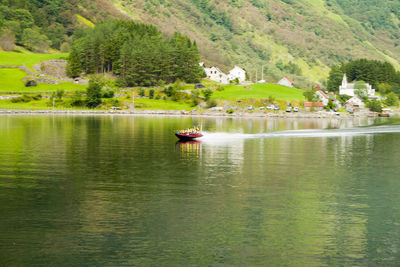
{"points": [[230, 111], [151, 93], [141, 92], [207, 93], [211, 103], [108, 94], [21, 99], [30, 82], [374, 105]]}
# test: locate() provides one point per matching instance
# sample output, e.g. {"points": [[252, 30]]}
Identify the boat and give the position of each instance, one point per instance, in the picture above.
{"points": [[383, 114], [188, 134]]}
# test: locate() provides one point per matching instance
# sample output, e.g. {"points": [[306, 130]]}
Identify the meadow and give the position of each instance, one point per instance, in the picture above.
{"points": [[259, 90], [11, 81]]}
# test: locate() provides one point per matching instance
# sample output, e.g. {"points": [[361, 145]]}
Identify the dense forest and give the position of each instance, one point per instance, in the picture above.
{"points": [[137, 53], [381, 75], [39, 25]]}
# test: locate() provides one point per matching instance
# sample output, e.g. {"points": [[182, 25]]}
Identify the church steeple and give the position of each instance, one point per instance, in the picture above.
{"points": [[344, 81]]}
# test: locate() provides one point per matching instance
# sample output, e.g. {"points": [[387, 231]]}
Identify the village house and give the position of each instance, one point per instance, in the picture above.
{"points": [[237, 73], [349, 88], [285, 81], [322, 96], [215, 74], [355, 102], [313, 106]]}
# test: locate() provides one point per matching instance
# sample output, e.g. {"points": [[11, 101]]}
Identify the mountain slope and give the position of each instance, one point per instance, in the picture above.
{"points": [[301, 38]]}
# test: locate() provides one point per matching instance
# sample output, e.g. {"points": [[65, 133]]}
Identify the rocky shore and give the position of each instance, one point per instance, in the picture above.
{"points": [[240, 114]]}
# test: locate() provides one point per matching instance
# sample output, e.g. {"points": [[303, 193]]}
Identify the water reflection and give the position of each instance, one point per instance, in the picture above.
{"points": [[121, 191]]}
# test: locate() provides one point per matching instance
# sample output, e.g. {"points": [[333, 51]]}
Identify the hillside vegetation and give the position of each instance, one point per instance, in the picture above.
{"points": [[311, 35]]}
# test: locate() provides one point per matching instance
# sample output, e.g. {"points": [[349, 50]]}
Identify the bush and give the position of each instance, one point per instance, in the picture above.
{"points": [[207, 93], [374, 105], [77, 99], [151, 93], [141, 92], [211, 103], [21, 99], [169, 91], [30, 82], [230, 111], [108, 94]]}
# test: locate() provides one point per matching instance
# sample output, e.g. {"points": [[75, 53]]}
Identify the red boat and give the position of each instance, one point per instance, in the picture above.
{"points": [[188, 134]]}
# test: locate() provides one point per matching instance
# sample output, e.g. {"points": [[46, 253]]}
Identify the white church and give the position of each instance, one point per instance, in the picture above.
{"points": [[348, 88]]}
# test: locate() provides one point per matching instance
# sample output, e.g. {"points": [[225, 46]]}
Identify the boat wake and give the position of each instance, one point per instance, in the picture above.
{"points": [[223, 137]]}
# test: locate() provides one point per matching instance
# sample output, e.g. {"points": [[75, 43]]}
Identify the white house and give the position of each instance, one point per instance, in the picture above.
{"points": [[323, 97], [348, 88], [215, 74], [285, 81], [237, 72], [356, 101]]}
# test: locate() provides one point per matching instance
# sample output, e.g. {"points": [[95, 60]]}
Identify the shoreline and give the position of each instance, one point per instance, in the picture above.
{"points": [[256, 114]]}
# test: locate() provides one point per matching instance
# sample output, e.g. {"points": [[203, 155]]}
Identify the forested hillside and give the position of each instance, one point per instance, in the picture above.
{"points": [[299, 38], [40, 25], [137, 53]]}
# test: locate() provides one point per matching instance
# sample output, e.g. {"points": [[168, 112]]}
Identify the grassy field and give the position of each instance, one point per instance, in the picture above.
{"points": [[11, 81], [27, 58], [259, 90], [145, 103]]}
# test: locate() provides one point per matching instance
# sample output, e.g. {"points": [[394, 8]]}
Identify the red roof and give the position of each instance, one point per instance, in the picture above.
{"points": [[322, 93], [287, 78], [315, 104]]}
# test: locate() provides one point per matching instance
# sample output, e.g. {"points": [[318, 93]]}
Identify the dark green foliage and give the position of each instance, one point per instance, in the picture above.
{"points": [[330, 105], [30, 82], [151, 93], [207, 93], [343, 98], [309, 95], [169, 91], [381, 75], [374, 105], [77, 99], [392, 99], [136, 52], [335, 79], [141, 92], [21, 99], [93, 93], [108, 93]]}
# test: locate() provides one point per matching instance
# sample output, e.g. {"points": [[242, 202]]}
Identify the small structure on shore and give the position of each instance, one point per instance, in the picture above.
{"points": [[285, 81], [313, 105], [355, 102]]}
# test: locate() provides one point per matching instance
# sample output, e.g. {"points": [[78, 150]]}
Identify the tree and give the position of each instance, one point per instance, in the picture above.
{"points": [[34, 41], [361, 90], [392, 99], [335, 79], [93, 93], [374, 105], [207, 93], [7, 40], [74, 67]]}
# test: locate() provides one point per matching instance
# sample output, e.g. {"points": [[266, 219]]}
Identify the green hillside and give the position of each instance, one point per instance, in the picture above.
{"points": [[301, 38], [310, 35]]}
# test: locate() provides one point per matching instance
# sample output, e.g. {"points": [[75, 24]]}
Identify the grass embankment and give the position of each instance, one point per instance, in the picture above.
{"points": [[259, 90], [27, 58], [11, 81]]}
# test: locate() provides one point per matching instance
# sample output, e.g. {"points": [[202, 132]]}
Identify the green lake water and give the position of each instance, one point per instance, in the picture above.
{"points": [[120, 190]]}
